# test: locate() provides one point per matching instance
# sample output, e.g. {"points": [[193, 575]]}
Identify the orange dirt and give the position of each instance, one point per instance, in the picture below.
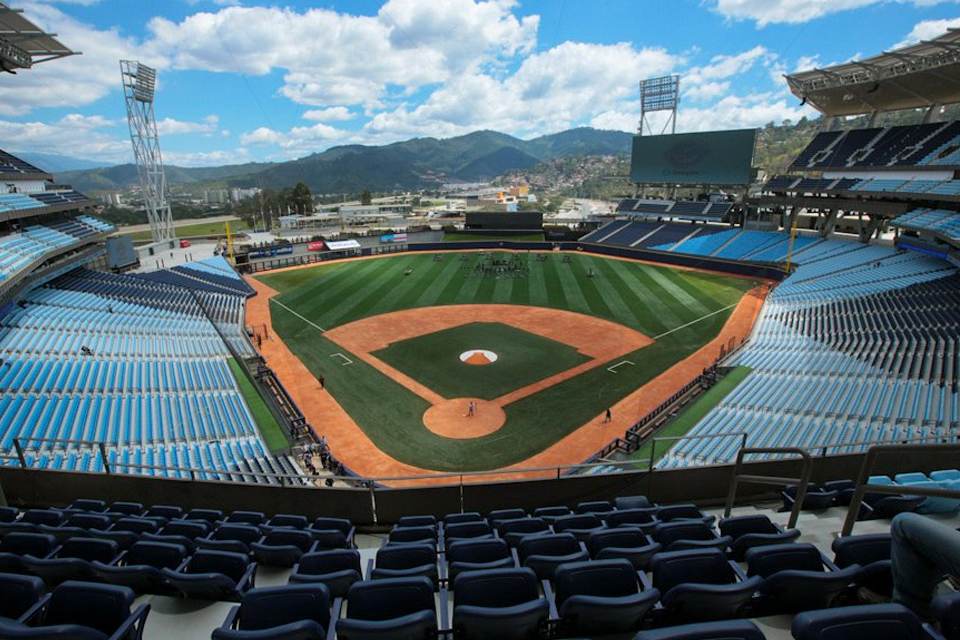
{"points": [[355, 449], [450, 418], [477, 359]]}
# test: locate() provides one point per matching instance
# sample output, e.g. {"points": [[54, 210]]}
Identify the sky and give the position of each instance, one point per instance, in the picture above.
{"points": [[244, 80]]}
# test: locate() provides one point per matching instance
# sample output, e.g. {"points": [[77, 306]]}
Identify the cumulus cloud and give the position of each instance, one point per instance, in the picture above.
{"points": [[73, 134], [332, 114], [172, 127], [927, 30], [765, 12]]}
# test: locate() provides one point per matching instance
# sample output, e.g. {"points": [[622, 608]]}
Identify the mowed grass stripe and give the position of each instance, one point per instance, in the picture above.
{"points": [[335, 285], [405, 289], [538, 284], [503, 288], [660, 303], [366, 294], [711, 290], [617, 308], [572, 282], [671, 284], [439, 277], [484, 293], [555, 295], [627, 282], [590, 289]]}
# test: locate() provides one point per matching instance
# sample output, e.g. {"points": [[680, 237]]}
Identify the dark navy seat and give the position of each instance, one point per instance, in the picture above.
{"points": [[815, 498], [688, 534], [338, 569], [623, 542], [623, 503], [498, 604], [207, 515], [332, 533], [282, 547], [513, 531], [16, 545], [545, 553], [497, 516], [640, 518], [286, 521], [865, 621], [601, 596], [795, 579], [684, 512], [723, 630], [393, 608], [256, 518], [165, 511], [580, 525], [82, 611], [140, 567], [460, 518], [844, 488], [407, 560], [132, 509], [406, 535], [601, 507], [417, 521], [472, 530], [78, 524], [231, 537], [872, 553], [753, 531], [18, 594], [182, 532], [550, 514], [213, 575], [701, 584], [289, 612], [473, 555], [72, 561], [88, 504]]}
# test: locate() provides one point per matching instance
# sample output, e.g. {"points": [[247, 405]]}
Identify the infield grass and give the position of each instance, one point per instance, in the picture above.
{"points": [[658, 301]]}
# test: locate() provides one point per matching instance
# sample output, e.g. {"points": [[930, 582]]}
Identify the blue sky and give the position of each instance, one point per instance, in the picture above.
{"points": [[243, 80]]}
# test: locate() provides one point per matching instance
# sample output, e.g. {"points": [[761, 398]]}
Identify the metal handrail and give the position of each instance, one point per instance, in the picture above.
{"points": [[704, 436], [824, 446], [801, 482], [866, 470]]}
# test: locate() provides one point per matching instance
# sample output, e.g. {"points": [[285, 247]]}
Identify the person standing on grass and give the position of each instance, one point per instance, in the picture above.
{"points": [[608, 416]]}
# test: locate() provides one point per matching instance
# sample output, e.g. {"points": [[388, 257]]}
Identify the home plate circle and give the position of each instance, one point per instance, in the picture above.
{"points": [[478, 357]]}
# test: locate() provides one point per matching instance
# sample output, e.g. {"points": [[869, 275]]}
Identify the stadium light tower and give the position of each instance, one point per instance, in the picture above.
{"points": [[139, 82], [659, 94]]}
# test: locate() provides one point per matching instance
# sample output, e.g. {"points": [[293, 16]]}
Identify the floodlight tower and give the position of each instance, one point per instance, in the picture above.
{"points": [[659, 94], [139, 82]]}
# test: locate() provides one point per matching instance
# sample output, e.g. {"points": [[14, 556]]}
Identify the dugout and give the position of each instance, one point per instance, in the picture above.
{"points": [[500, 221]]}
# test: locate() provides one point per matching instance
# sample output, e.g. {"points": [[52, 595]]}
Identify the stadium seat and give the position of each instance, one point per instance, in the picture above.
{"points": [[815, 498], [545, 553], [498, 604], [126, 531], [8, 514], [944, 475], [18, 594], [395, 608], [794, 578], [126, 508], [16, 545], [601, 507], [465, 531], [140, 567], [945, 608], [601, 596], [497, 516], [72, 561], [338, 569], [580, 525], [844, 489], [407, 560], [684, 512], [407, 535], [724, 630], [207, 515], [550, 514], [623, 542], [300, 611], [88, 504], [282, 547], [641, 518], [872, 553], [417, 521], [181, 532], [82, 611], [165, 511], [701, 584], [285, 521], [865, 621], [31, 519], [256, 518], [473, 555], [753, 531], [79, 524], [237, 538], [631, 502], [688, 534], [460, 518], [513, 531], [332, 533], [213, 575]]}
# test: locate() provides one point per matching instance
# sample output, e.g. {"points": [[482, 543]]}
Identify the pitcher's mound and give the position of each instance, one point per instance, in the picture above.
{"points": [[478, 357], [450, 420]]}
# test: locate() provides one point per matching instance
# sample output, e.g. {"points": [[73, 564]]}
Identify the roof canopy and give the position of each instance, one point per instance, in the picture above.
{"points": [[23, 44], [917, 76]]}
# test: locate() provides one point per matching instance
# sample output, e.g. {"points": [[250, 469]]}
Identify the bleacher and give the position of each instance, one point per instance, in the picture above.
{"points": [[930, 221], [11, 164], [129, 362], [931, 144], [36, 242], [648, 234]]}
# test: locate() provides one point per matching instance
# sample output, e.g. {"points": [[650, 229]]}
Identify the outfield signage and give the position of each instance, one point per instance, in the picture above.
{"points": [[343, 244], [269, 252], [393, 237], [315, 246], [711, 157]]}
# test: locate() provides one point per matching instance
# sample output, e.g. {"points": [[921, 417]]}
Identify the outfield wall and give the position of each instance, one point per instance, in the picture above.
{"points": [[702, 485]]}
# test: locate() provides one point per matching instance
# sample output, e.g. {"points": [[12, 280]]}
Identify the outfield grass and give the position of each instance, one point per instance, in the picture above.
{"points": [[477, 237], [272, 433], [523, 358], [692, 415], [654, 300], [199, 229]]}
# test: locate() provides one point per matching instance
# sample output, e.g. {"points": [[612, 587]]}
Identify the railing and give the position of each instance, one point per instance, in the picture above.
{"points": [[801, 482], [866, 470]]}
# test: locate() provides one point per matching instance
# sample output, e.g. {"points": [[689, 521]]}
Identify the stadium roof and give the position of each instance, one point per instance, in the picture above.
{"points": [[917, 76], [23, 44]]}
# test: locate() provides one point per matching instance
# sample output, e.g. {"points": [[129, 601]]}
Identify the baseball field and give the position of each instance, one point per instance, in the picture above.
{"points": [[481, 360]]}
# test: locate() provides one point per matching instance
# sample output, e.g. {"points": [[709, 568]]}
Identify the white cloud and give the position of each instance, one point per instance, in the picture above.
{"points": [[807, 63], [72, 135], [928, 29], [736, 112], [766, 12], [207, 158], [297, 142], [333, 114], [172, 127]]}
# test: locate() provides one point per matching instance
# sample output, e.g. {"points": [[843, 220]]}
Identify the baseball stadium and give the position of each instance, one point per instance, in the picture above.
{"points": [[706, 418]]}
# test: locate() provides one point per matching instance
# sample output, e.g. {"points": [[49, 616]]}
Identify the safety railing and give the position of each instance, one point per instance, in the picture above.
{"points": [[801, 482], [866, 470]]}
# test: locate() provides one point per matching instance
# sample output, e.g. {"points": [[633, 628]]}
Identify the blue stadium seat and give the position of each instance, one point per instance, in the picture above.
{"points": [[623, 542], [865, 621], [794, 578], [753, 531], [498, 604], [126, 508], [297, 611], [213, 575], [497, 516], [407, 560], [473, 555], [395, 608], [256, 518], [550, 514], [688, 534], [18, 594], [78, 525], [515, 530], [545, 553], [642, 518], [207, 515], [601, 507], [237, 538], [724, 630], [460, 518], [286, 521], [673, 512], [332, 533], [164, 511], [88, 504], [72, 561], [418, 534], [140, 567], [338, 569], [181, 532], [631, 502], [601, 596], [282, 547], [417, 521], [82, 611], [474, 530], [872, 553], [701, 584], [16, 545], [945, 608], [580, 525]]}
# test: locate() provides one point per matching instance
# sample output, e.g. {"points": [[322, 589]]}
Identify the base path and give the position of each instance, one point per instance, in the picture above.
{"points": [[354, 448]]}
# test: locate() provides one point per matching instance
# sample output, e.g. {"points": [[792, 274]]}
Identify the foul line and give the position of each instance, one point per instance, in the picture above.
{"points": [[684, 326], [315, 326]]}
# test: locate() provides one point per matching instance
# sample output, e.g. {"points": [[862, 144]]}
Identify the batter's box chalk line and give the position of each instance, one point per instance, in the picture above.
{"points": [[611, 369], [346, 360]]}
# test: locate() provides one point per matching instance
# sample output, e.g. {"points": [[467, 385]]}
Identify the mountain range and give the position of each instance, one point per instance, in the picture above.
{"points": [[420, 163]]}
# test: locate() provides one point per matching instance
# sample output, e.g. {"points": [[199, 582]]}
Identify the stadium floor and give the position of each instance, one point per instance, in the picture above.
{"points": [[357, 451]]}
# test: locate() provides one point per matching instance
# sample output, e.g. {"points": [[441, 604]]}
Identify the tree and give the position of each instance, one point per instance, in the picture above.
{"points": [[301, 199], [366, 198]]}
